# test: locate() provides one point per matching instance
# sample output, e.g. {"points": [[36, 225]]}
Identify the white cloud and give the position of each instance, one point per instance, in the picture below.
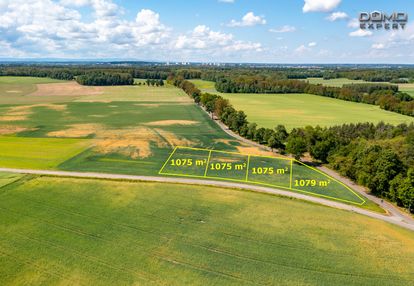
{"points": [[360, 33], [226, 1], [337, 16], [203, 38], [283, 29], [34, 26], [301, 49], [395, 41], [47, 28], [378, 46], [353, 23], [305, 48], [76, 3], [248, 20], [320, 5]]}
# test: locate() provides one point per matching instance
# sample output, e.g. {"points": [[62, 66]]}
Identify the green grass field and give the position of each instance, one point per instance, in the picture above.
{"points": [[407, 87], [336, 82], [298, 110], [132, 129], [38, 153], [61, 231], [8, 178]]}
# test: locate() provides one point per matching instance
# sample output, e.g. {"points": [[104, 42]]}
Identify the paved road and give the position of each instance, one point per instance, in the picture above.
{"points": [[390, 208], [397, 220]]}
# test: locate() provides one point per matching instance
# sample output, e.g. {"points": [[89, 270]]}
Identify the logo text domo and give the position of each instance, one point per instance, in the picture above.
{"points": [[379, 20]]}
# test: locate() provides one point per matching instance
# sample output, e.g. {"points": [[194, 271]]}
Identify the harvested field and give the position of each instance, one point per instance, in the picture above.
{"points": [[67, 88], [255, 151], [174, 140], [12, 118], [21, 112], [171, 122], [12, 129], [134, 143], [226, 141], [147, 104], [76, 131]]}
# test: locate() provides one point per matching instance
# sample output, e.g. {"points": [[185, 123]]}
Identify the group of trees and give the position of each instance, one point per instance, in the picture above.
{"points": [[380, 156], [386, 96], [71, 72], [102, 78], [395, 75], [154, 82]]}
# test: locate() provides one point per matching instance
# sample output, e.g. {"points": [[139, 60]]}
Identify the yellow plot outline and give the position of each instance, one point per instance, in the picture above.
{"points": [[246, 180]]}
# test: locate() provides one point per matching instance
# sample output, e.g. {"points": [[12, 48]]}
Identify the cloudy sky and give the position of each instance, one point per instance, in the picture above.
{"points": [[274, 31]]}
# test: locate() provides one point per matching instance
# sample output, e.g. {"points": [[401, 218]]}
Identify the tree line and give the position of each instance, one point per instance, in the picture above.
{"points": [[212, 73], [102, 79], [154, 82], [387, 96], [380, 157]]}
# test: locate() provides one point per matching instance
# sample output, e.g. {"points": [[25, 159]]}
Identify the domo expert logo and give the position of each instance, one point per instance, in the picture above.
{"points": [[377, 20]]}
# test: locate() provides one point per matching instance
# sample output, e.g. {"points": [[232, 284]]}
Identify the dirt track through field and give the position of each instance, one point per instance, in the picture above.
{"points": [[397, 220]]}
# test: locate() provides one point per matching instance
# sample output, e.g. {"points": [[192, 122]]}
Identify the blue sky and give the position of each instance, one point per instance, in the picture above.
{"points": [[294, 31]]}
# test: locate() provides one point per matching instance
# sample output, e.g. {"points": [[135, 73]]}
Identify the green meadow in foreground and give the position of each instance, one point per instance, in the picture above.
{"points": [[38, 153], [8, 178], [95, 232]]}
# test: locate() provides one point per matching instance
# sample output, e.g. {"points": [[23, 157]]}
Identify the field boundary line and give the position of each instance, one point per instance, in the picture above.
{"points": [[322, 173], [163, 166], [247, 168], [246, 180], [208, 162]]}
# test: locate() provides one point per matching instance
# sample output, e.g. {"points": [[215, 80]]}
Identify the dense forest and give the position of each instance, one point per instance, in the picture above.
{"points": [[380, 157], [102, 78]]}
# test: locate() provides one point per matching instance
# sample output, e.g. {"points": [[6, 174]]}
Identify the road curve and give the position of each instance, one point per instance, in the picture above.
{"points": [[397, 220]]}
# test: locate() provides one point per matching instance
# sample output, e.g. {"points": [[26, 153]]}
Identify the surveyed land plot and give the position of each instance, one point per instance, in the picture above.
{"points": [[277, 172]]}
